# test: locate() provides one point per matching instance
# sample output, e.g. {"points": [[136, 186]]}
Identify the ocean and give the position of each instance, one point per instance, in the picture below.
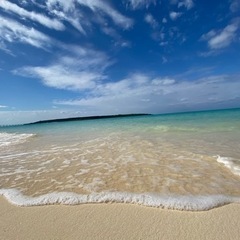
{"points": [[185, 161]]}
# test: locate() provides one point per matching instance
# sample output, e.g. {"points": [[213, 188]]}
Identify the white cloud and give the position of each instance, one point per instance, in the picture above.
{"points": [[174, 15], [59, 76], [78, 71], [222, 38], [71, 13], [104, 7], [151, 94], [66, 5], [44, 20], [67, 11], [54, 13], [151, 20], [12, 31], [136, 4], [75, 18]]}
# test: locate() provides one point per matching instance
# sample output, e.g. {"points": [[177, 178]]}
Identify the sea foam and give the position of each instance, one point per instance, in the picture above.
{"points": [[187, 203], [229, 163], [7, 139]]}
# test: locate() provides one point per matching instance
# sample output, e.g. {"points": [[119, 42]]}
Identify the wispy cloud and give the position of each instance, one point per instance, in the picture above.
{"points": [[67, 11], [218, 39], [78, 71], [4, 48], [65, 5], [12, 31], [44, 20], [137, 4], [105, 8], [70, 12], [119, 41], [54, 14]]}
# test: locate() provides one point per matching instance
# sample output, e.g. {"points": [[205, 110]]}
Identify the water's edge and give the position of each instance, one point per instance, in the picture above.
{"points": [[173, 202]]}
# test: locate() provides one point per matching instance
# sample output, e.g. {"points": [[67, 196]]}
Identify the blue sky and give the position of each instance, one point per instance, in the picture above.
{"points": [[63, 58]]}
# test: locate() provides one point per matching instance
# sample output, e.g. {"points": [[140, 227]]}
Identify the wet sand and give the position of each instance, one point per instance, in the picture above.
{"points": [[117, 221]]}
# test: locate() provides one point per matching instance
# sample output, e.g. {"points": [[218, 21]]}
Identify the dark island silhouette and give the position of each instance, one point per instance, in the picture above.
{"points": [[88, 118]]}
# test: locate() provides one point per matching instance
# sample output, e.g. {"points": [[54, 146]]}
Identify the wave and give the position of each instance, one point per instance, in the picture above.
{"points": [[230, 163], [187, 203], [7, 139]]}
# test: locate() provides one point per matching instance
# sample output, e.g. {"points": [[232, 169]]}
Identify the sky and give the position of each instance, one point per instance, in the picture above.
{"points": [[75, 58]]}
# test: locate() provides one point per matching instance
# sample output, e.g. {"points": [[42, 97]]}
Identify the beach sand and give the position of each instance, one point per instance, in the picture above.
{"points": [[117, 221]]}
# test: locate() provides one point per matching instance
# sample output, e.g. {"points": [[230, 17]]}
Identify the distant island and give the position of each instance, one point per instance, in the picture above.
{"points": [[87, 118]]}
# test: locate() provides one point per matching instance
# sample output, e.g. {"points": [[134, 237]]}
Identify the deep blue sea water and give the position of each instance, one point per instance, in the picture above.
{"points": [[184, 160]]}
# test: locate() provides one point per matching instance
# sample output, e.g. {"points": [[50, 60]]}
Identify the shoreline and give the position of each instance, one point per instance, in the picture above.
{"points": [[117, 221], [195, 203]]}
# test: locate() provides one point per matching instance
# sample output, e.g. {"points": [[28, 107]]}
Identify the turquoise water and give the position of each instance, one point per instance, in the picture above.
{"points": [[184, 160]]}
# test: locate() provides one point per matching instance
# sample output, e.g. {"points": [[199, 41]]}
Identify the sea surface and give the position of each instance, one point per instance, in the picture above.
{"points": [[187, 161]]}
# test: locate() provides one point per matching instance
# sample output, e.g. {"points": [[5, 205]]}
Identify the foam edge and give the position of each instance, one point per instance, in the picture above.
{"points": [[186, 203]]}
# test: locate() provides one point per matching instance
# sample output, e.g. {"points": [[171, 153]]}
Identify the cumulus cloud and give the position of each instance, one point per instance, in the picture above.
{"points": [[42, 19], [221, 38], [77, 71], [12, 31], [137, 4], [174, 15]]}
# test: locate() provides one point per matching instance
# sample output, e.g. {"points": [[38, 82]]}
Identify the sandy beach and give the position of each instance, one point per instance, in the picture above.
{"points": [[116, 221]]}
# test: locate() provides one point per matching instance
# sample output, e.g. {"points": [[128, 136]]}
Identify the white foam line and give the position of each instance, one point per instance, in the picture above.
{"points": [[188, 203]]}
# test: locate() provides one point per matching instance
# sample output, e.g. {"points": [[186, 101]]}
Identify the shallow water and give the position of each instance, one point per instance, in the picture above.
{"points": [[178, 156]]}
